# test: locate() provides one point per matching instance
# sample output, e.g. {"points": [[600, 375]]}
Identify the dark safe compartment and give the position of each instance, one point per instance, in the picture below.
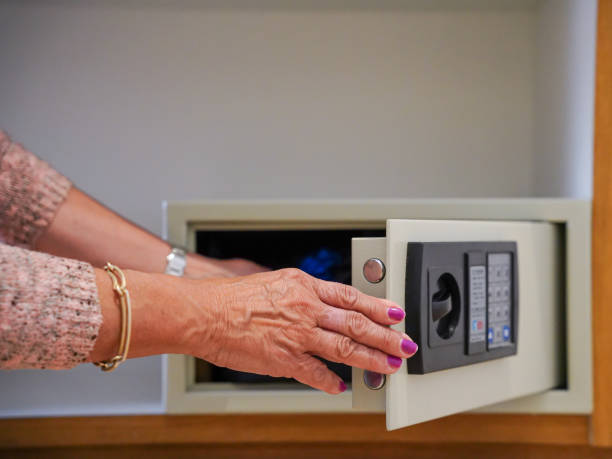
{"points": [[322, 253]]}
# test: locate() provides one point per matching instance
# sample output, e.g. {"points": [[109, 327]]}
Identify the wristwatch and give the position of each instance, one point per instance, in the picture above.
{"points": [[176, 262]]}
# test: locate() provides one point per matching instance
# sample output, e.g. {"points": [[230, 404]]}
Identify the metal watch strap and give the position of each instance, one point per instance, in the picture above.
{"points": [[176, 262]]}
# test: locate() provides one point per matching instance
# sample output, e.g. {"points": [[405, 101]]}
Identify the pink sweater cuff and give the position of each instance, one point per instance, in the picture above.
{"points": [[49, 310], [30, 194]]}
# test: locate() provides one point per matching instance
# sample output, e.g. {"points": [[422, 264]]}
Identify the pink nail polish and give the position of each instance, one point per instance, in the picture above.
{"points": [[393, 361], [396, 313], [409, 347], [342, 386]]}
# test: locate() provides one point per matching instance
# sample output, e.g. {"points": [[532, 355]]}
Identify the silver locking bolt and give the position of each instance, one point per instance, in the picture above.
{"points": [[374, 380], [374, 270]]}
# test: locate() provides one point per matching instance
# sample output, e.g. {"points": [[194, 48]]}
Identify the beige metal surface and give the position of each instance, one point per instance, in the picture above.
{"points": [[365, 399], [536, 367]]}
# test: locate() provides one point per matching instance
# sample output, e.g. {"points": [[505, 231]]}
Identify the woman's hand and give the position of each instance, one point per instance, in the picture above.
{"points": [[275, 322]]}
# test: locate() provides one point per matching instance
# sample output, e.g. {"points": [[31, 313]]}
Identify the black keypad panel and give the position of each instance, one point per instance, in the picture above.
{"points": [[461, 302]]}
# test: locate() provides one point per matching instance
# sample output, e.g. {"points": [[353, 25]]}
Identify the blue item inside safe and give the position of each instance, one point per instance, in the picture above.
{"points": [[321, 264]]}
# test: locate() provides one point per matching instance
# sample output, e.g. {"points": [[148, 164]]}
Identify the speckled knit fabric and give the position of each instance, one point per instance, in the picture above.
{"points": [[30, 193], [49, 308]]}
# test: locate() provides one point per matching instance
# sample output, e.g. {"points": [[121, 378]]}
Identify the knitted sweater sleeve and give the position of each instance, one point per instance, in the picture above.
{"points": [[49, 308], [30, 194]]}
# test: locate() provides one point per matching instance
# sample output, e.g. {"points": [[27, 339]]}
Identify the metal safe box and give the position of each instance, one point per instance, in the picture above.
{"points": [[496, 294]]}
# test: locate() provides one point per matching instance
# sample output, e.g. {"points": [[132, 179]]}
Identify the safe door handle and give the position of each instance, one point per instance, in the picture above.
{"points": [[441, 307]]}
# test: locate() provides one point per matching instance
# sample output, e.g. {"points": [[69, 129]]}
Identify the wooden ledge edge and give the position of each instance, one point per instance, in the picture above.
{"points": [[282, 428]]}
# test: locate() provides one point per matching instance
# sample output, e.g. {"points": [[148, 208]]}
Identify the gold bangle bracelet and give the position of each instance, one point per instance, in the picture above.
{"points": [[119, 286]]}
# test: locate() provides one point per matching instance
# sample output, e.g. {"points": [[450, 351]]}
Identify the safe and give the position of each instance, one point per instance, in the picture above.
{"points": [[496, 295]]}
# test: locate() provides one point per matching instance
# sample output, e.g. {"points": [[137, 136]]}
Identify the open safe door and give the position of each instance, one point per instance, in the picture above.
{"points": [[483, 301]]}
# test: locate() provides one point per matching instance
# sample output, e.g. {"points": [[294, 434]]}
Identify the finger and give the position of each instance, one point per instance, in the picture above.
{"points": [[342, 349], [346, 297], [315, 373], [361, 329]]}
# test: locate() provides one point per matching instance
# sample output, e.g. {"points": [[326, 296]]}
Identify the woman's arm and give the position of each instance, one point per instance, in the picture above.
{"points": [[39, 208], [57, 312], [86, 230]]}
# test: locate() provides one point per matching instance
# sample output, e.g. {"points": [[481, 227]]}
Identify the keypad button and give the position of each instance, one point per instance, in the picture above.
{"points": [[497, 334]]}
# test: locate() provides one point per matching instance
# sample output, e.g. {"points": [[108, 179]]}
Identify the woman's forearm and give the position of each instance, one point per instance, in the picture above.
{"points": [[159, 324], [86, 230], [58, 312]]}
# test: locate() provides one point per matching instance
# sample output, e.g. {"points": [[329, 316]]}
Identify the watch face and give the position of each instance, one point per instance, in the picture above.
{"points": [[176, 262]]}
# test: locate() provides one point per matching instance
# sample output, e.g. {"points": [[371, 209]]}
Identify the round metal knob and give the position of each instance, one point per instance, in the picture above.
{"points": [[374, 270], [373, 380]]}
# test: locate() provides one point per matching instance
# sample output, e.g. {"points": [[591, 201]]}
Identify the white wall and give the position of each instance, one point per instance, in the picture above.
{"points": [[159, 100], [564, 98], [140, 101]]}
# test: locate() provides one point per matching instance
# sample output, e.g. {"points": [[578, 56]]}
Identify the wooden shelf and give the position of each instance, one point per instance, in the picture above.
{"points": [[268, 429]]}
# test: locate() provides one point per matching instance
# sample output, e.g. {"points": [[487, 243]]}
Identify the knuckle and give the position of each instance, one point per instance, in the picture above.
{"points": [[313, 370], [358, 324], [350, 295], [324, 316], [310, 337], [389, 339], [345, 347], [302, 367], [292, 332], [373, 359], [293, 273]]}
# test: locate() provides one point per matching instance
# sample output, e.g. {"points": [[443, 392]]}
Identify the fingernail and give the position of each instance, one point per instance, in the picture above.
{"points": [[409, 347], [396, 313], [342, 386], [395, 362]]}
